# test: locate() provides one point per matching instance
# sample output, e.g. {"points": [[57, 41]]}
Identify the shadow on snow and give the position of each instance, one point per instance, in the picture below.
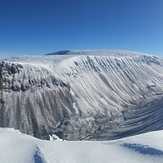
{"points": [[143, 149], [38, 157]]}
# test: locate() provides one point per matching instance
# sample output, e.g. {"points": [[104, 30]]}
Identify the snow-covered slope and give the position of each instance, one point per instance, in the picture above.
{"points": [[16, 147], [94, 95]]}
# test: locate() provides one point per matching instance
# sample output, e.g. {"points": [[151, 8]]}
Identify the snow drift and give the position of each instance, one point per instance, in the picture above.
{"points": [[82, 95], [17, 147]]}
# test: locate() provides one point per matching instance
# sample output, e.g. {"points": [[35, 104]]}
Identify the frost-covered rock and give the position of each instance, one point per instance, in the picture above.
{"points": [[94, 95]]}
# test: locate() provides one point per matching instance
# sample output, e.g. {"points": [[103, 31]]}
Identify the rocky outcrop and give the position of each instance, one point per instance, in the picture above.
{"points": [[32, 103]]}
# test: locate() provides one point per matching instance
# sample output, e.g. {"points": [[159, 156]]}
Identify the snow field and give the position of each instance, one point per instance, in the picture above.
{"points": [[16, 147]]}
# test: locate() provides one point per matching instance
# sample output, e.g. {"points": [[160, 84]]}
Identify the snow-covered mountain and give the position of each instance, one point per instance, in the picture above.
{"points": [[82, 95], [20, 148]]}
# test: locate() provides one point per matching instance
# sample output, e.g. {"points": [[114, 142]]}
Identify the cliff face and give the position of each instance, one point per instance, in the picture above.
{"points": [[95, 97], [32, 99]]}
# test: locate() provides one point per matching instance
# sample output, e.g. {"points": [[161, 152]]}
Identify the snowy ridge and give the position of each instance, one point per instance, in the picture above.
{"points": [[145, 148], [98, 95], [62, 55]]}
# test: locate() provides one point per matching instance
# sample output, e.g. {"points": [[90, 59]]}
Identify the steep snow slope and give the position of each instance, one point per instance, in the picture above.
{"points": [[95, 95], [16, 147]]}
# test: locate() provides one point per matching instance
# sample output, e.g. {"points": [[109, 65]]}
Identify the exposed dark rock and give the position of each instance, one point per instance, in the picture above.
{"points": [[16, 87], [62, 52], [25, 87]]}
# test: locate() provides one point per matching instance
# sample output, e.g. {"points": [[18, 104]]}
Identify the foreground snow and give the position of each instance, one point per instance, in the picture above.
{"points": [[16, 147]]}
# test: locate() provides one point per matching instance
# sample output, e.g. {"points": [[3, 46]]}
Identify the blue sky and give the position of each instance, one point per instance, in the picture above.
{"points": [[37, 27]]}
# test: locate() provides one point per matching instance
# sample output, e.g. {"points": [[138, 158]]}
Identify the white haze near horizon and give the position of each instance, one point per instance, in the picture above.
{"points": [[9, 55], [4, 55]]}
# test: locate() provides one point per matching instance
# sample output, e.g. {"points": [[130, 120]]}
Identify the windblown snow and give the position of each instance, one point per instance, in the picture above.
{"points": [[16, 147], [82, 95]]}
